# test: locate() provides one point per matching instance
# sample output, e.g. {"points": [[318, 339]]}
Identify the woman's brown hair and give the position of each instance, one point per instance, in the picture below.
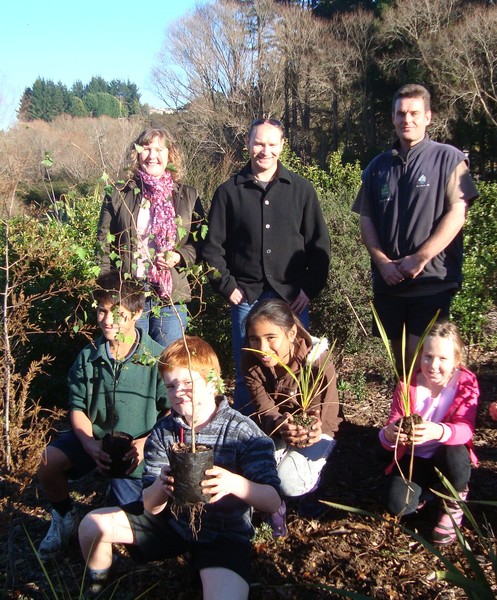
{"points": [[166, 138]]}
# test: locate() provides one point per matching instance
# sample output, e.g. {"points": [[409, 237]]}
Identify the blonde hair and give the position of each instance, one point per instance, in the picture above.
{"points": [[448, 330], [196, 355], [166, 138]]}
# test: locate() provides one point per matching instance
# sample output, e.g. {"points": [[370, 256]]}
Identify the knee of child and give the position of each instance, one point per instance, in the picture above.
{"points": [[54, 459], [400, 509], [293, 488], [296, 479], [404, 497], [219, 583], [53, 462], [91, 527]]}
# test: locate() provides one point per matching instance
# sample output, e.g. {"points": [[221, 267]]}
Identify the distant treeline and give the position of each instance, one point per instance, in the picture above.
{"points": [[45, 100]]}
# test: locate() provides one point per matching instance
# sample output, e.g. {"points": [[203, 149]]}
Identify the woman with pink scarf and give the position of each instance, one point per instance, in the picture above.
{"points": [[149, 229]]}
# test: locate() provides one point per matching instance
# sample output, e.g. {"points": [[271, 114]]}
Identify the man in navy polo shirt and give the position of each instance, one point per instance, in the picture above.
{"points": [[412, 204]]}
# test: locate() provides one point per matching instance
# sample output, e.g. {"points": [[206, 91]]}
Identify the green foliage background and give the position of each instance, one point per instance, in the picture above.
{"points": [[52, 267], [479, 293], [58, 245], [45, 99]]}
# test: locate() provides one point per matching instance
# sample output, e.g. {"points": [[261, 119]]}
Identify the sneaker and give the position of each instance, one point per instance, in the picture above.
{"points": [[100, 584], [62, 529], [445, 531], [278, 521], [95, 588]]}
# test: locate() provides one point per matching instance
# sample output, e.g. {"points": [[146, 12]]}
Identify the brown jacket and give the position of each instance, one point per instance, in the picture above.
{"points": [[118, 217], [272, 396]]}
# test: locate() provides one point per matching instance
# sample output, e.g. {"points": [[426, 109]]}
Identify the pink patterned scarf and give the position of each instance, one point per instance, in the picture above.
{"points": [[159, 190]]}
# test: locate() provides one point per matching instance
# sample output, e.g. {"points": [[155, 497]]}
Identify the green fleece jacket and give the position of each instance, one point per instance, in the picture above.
{"points": [[140, 395]]}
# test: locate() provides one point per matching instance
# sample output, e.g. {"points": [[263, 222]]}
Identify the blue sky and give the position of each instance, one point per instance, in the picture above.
{"points": [[64, 40]]}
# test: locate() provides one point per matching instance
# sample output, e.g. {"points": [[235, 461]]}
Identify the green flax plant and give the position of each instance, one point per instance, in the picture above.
{"points": [[472, 578], [468, 575], [404, 378], [403, 381], [309, 383]]}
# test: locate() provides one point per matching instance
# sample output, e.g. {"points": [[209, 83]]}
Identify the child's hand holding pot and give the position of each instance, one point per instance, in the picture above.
{"points": [[316, 428], [293, 434], [427, 431], [135, 454], [166, 480], [221, 482], [394, 434]]}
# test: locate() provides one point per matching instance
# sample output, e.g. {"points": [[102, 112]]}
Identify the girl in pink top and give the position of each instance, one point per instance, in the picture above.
{"points": [[445, 394]]}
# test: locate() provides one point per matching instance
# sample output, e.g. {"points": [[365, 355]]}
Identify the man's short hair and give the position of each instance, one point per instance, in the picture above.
{"points": [[412, 90], [191, 353], [265, 121], [113, 289]]}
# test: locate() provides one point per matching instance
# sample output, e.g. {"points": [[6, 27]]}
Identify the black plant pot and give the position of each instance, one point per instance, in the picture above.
{"points": [[117, 444], [188, 470]]}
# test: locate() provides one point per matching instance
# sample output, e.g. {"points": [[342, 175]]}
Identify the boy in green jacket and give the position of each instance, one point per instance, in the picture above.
{"points": [[114, 386]]}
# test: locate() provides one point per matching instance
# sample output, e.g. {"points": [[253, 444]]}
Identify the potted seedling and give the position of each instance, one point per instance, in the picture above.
{"points": [[117, 443], [189, 461], [188, 465], [310, 382]]}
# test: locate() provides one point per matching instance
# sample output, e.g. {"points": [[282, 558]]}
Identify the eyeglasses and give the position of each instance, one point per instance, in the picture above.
{"points": [[263, 121]]}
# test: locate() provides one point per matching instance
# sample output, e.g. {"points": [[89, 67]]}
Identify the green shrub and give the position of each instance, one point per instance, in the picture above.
{"points": [[50, 272], [344, 304], [41, 194], [211, 321], [479, 290]]}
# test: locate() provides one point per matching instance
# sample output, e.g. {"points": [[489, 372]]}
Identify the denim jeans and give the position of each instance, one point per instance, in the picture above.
{"points": [[124, 491], [166, 326], [239, 314]]}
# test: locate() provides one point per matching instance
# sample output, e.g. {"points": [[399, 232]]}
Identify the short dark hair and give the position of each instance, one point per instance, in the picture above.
{"points": [[266, 121], [112, 288], [412, 90]]}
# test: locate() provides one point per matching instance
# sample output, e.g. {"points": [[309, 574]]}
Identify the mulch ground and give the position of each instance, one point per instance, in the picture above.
{"points": [[372, 556]]}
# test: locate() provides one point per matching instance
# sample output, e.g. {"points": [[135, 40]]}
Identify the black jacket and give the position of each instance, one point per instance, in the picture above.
{"points": [[267, 239]]}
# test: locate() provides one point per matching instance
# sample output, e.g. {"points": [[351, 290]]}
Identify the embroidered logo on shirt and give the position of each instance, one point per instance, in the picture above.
{"points": [[422, 182], [384, 193]]}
